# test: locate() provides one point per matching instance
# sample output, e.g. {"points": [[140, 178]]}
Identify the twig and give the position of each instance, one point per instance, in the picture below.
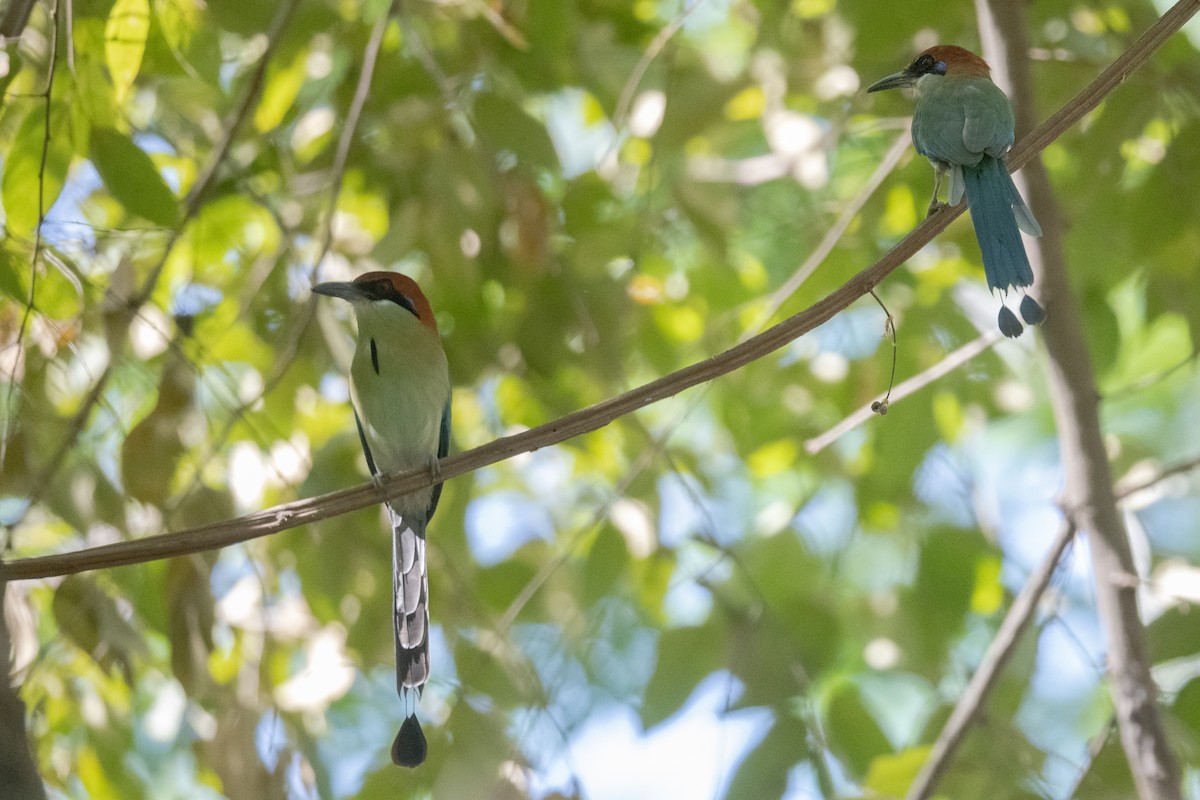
{"points": [[302, 512], [950, 362], [350, 129], [998, 652], [1147, 381], [41, 218], [16, 17], [234, 122], [191, 206], [780, 296], [880, 407], [1123, 492], [639, 71]]}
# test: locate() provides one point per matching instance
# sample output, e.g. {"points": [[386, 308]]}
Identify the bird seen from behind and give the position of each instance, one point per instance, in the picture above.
{"points": [[963, 124]]}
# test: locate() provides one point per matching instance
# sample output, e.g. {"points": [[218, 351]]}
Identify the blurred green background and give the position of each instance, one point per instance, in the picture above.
{"points": [[595, 193]]}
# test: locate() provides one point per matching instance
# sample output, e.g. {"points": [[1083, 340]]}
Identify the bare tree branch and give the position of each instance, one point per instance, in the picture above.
{"points": [[998, 652], [1123, 491], [302, 512], [16, 17], [817, 257], [950, 362], [1089, 490]]}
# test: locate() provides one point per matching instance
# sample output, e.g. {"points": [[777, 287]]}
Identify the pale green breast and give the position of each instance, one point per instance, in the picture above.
{"points": [[400, 383]]}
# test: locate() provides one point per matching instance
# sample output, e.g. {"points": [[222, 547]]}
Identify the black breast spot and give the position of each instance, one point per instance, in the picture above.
{"points": [[374, 357]]}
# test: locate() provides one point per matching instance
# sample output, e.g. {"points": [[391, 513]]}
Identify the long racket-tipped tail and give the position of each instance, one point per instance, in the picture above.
{"points": [[999, 215], [410, 622]]}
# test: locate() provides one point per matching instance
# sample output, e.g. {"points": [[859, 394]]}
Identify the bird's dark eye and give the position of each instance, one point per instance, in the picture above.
{"points": [[403, 301], [927, 64], [384, 290]]}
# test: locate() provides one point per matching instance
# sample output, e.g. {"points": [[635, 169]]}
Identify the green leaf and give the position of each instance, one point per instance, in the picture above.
{"points": [[891, 775], [685, 656], [607, 562], [23, 167], [1174, 634], [941, 596], [279, 95], [853, 731], [125, 42], [764, 770], [132, 177], [1187, 705]]}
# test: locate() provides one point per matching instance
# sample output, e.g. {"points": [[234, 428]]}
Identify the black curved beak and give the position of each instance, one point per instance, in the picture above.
{"points": [[897, 80]]}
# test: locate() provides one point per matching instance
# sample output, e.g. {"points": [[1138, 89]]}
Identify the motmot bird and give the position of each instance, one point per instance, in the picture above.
{"points": [[964, 125], [400, 390]]}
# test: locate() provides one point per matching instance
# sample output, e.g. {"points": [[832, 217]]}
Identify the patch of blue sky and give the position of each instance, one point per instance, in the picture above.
{"points": [[1005, 480], [827, 521], [620, 652], [109, 433], [570, 694], [548, 472], [153, 144], [900, 702], [853, 334], [13, 509], [193, 299], [1054, 713], [500, 522], [334, 387], [686, 601], [580, 141], [685, 509], [803, 783], [64, 225], [693, 754], [270, 739], [1170, 524], [944, 481], [1070, 657]]}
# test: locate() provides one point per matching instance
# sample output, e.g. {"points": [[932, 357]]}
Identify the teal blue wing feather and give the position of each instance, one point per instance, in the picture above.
{"points": [[958, 121], [988, 127], [366, 448], [443, 451]]}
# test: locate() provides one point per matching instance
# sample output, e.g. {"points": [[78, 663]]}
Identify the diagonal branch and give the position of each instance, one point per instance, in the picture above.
{"points": [[302, 512], [998, 652], [817, 257], [1016, 621], [950, 362], [16, 17]]}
